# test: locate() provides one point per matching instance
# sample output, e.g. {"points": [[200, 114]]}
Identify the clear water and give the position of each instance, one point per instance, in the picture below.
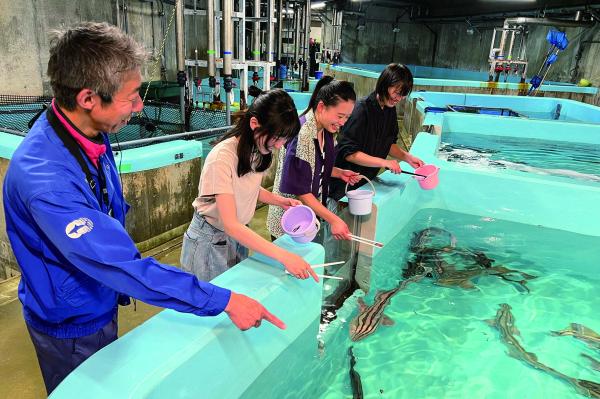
{"points": [[440, 346], [545, 157], [549, 116]]}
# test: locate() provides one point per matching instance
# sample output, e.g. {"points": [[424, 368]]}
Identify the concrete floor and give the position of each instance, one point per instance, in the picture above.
{"points": [[19, 370]]}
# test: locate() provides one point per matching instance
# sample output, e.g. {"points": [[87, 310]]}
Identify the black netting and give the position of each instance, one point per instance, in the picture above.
{"points": [[156, 119], [17, 111]]}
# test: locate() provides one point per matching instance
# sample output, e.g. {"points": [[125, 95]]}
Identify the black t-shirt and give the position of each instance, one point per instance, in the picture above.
{"points": [[369, 129]]}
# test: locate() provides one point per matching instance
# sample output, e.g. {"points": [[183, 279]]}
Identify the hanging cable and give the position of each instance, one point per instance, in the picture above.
{"points": [[162, 46]]}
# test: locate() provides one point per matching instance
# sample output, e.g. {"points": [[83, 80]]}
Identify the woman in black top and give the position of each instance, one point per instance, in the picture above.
{"points": [[371, 133]]}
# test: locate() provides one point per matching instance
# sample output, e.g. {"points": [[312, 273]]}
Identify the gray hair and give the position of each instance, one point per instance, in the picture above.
{"points": [[91, 56]]}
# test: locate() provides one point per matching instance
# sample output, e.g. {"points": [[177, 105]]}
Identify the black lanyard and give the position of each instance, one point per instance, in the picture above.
{"points": [[75, 150]]}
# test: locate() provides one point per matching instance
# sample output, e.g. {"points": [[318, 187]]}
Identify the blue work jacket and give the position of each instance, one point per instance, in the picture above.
{"points": [[74, 257]]}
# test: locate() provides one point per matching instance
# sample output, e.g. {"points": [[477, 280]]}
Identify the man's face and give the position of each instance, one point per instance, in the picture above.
{"points": [[110, 118]]}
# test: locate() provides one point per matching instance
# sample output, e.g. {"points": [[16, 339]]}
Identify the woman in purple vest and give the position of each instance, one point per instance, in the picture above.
{"points": [[306, 164]]}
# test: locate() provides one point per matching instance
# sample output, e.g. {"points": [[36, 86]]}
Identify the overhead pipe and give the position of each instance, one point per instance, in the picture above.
{"points": [[307, 25], [503, 15], [227, 54], [270, 42], [210, 17], [270, 30], [280, 14], [339, 26], [306, 60], [547, 22], [136, 143], [118, 14], [300, 13], [333, 27], [297, 37], [256, 34], [180, 48]]}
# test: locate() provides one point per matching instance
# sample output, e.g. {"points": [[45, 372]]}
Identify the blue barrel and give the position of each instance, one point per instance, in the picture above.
{"points": [[318, 74], [282, 72]]}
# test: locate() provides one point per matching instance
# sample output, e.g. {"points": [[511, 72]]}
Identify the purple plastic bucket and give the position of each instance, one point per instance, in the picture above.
{"points": [[300, 223]]}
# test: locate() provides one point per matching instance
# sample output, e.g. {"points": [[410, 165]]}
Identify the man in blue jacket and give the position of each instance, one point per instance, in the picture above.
{"points": [[65, 212]]}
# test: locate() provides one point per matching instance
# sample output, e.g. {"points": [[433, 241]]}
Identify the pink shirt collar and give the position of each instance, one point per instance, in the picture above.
{"points": [[91, 149]]}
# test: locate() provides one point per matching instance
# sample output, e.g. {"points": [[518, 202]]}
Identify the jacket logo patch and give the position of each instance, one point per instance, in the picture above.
{"points": [[79, 227]]}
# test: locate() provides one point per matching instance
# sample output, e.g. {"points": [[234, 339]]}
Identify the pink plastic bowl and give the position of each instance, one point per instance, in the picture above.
{"points": [[429, 182]]}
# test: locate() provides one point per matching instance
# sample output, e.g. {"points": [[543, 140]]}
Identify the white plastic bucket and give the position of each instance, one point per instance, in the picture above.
{"points": [[360, 201]]}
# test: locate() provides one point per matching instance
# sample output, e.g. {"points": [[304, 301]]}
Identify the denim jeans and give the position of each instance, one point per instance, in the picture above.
{"points": [[208, 251]]}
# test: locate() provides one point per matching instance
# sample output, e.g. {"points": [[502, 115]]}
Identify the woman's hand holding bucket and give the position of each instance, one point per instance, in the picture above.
{"points": [[287, 203], [349, 176]]}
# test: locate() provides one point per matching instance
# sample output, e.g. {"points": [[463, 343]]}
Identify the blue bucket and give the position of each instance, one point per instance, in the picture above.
{"points": [[318, 74]]}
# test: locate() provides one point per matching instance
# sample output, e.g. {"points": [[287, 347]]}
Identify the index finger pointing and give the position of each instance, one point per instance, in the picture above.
{"points": [[313, 274], [271, 318]]}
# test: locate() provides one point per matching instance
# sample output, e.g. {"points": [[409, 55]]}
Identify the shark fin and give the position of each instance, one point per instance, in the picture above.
{"points": [[527, 276], [595, 363], [386, 321], [533, 356]]}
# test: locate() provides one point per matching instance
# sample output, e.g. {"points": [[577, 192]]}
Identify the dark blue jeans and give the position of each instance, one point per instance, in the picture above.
{"points": [[58, 357]]}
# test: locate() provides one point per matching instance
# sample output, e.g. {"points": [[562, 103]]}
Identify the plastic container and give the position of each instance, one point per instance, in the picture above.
{"points": [[300, 223], [318, 74], [282, 72], [432, 179], [360, 201]]}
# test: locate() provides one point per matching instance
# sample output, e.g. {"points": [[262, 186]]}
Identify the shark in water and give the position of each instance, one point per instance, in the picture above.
{"points": [[473, 263], [369, 317], [595, 363], [423, 238], [582, 333], [505, 324]]}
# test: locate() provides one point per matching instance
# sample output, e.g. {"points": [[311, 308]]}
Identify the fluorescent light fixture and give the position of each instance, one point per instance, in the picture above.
{"points": [[317, 6]]}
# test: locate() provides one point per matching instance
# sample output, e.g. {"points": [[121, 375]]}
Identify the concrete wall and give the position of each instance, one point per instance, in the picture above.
{"points": [[8, 263], [413, 43], [161, 202], [25, 25]]}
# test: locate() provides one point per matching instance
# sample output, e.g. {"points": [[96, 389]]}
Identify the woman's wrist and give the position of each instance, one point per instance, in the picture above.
{"points": [[281, 200], [280, 255]]}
